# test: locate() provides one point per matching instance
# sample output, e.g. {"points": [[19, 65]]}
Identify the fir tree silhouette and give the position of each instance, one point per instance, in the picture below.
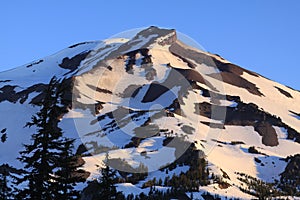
{"points": [[48, 160]]}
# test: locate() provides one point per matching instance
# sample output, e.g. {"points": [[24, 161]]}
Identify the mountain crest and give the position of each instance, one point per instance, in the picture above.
{"points": [[161, 108]]}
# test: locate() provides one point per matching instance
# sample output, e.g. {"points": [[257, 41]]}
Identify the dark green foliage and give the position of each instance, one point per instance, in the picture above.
{"points": [[40, 157], [6, 186], [127, 172], [68, 173], [196, 176], [103, 188], [290, 178], [106, 183], [288, 185], [49, 155], [236, 142], [208, 196], [258, 188], [156, 194]]}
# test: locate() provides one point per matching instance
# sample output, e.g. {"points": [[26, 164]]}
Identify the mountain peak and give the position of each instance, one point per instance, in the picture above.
{"points": [[161, 35], [151, 101], [147, 38]]}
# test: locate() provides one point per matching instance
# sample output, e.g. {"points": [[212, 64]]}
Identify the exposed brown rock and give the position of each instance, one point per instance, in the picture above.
{"points": [[237, 81], [153, 32], [188, 129], [249, 115], [101, 90], [98, 107], [73, 63], [4, 81], [268, 133], [285, 93], [195, 56], [176, 77], [230, 73], [155, 90], [175, 108], [224, 185], [146, 63], [189, 63], [131, 91], [78, 44], [150, 74], [146, 131], [8, 93], [214, 125], [297, 114], [35, 63]]}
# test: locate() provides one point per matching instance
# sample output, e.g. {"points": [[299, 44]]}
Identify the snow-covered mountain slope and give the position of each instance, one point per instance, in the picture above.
{"points": [[134, 97]]}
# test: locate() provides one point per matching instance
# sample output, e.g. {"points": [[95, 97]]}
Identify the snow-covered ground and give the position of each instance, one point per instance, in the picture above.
{"points": [[111, 79]]}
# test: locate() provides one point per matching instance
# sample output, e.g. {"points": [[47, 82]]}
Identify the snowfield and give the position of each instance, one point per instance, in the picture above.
{"points": [[116, 75]]}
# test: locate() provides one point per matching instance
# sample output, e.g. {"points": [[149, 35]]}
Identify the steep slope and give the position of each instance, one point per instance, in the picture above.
{"points": [[143, 98]]}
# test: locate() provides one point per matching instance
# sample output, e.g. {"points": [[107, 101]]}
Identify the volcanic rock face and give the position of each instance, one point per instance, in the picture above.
{"points": [[135, 97]]}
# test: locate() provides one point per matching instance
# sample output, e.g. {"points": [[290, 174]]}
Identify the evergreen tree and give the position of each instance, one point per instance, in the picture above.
{"points": [[107, 180], [6, 190], [44, 158], [68, 173], [104, 187]]}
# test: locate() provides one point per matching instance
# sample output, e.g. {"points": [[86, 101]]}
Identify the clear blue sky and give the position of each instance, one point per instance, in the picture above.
{"points": [[260, 35]]}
